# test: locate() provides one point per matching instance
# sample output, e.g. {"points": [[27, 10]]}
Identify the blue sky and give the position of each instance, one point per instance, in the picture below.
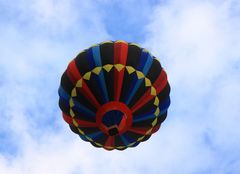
{"points": [[197, 42]]}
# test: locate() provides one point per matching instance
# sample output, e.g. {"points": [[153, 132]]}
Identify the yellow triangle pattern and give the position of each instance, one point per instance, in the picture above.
{"points": [[80, 131], [75, 123], [147, 82], [154, 122], [121, 147], [74, 92], [149, 131], [156, 113], [140, 75], [79, 83], [108, 67], [72, 113], [153, 91], [98, 144], [156, 101], [87, 76], [130, 69], [71, 102], [97, 70], [131, 144], [140, 138], [119, 67], [90, 139]]}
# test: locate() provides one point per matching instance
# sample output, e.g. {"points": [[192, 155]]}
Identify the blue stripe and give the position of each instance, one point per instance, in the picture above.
{"points": [[126, 139], [111, 118], [132, 92], [162, 113], [83, 138], [147, 65], [135, 144], [96, 56], [77, 105], [97, 60], [95, 135], [143, 59], [63, 94], [164, 105], [145, 70], [145, 116], [90, 59]]}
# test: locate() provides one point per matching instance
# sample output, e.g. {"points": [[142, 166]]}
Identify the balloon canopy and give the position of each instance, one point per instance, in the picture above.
{"points": [[114, 95]]}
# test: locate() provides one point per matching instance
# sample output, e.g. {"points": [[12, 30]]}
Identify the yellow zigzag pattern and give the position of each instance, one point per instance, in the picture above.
{"points": [[108, 68]]}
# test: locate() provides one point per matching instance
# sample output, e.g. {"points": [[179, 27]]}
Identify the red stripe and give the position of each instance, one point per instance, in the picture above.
{"points": [[126, 121], [141, 130], [156, 128], [73, 72], [85, 91], [74, 75], [159, 84], [81, 123], [109, 142], [120, 57]]}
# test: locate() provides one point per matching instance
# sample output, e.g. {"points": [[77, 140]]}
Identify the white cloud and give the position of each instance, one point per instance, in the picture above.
{"points": [[198, 43]]}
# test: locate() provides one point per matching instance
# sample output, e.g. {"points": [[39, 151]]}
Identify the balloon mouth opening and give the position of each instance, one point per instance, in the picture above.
{"points": [[113, 131], [114, 118]]}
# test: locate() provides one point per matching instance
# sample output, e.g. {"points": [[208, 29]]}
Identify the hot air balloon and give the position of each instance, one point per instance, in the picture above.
{"points": [[114, 95]]}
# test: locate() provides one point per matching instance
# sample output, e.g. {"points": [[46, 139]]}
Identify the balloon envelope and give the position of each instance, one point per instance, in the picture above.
{"points": [[114, 95]]}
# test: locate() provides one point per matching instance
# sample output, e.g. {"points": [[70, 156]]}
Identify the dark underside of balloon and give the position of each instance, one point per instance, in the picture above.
{"points": [[114, 95]]}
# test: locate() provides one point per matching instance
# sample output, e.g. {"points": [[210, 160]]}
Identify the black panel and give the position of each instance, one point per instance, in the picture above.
{"points": [[133, 135], [66, 83], [127, 82], [102, 139], [146, 108], [140, 92], [144, 123], [84, 101], [109, 79], [133, 56], [82, 116], [154, 71], [107, 57], [161, 118], [133, 59], [63, 104], [94, 86], [107, 53], [164, 93], [118, 141], [89, 130], [95, 145], [146, 138], [82, 63], [74, 129]]}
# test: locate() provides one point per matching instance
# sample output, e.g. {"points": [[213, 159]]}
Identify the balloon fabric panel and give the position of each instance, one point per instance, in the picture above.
{"points": [[114, 95]]}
